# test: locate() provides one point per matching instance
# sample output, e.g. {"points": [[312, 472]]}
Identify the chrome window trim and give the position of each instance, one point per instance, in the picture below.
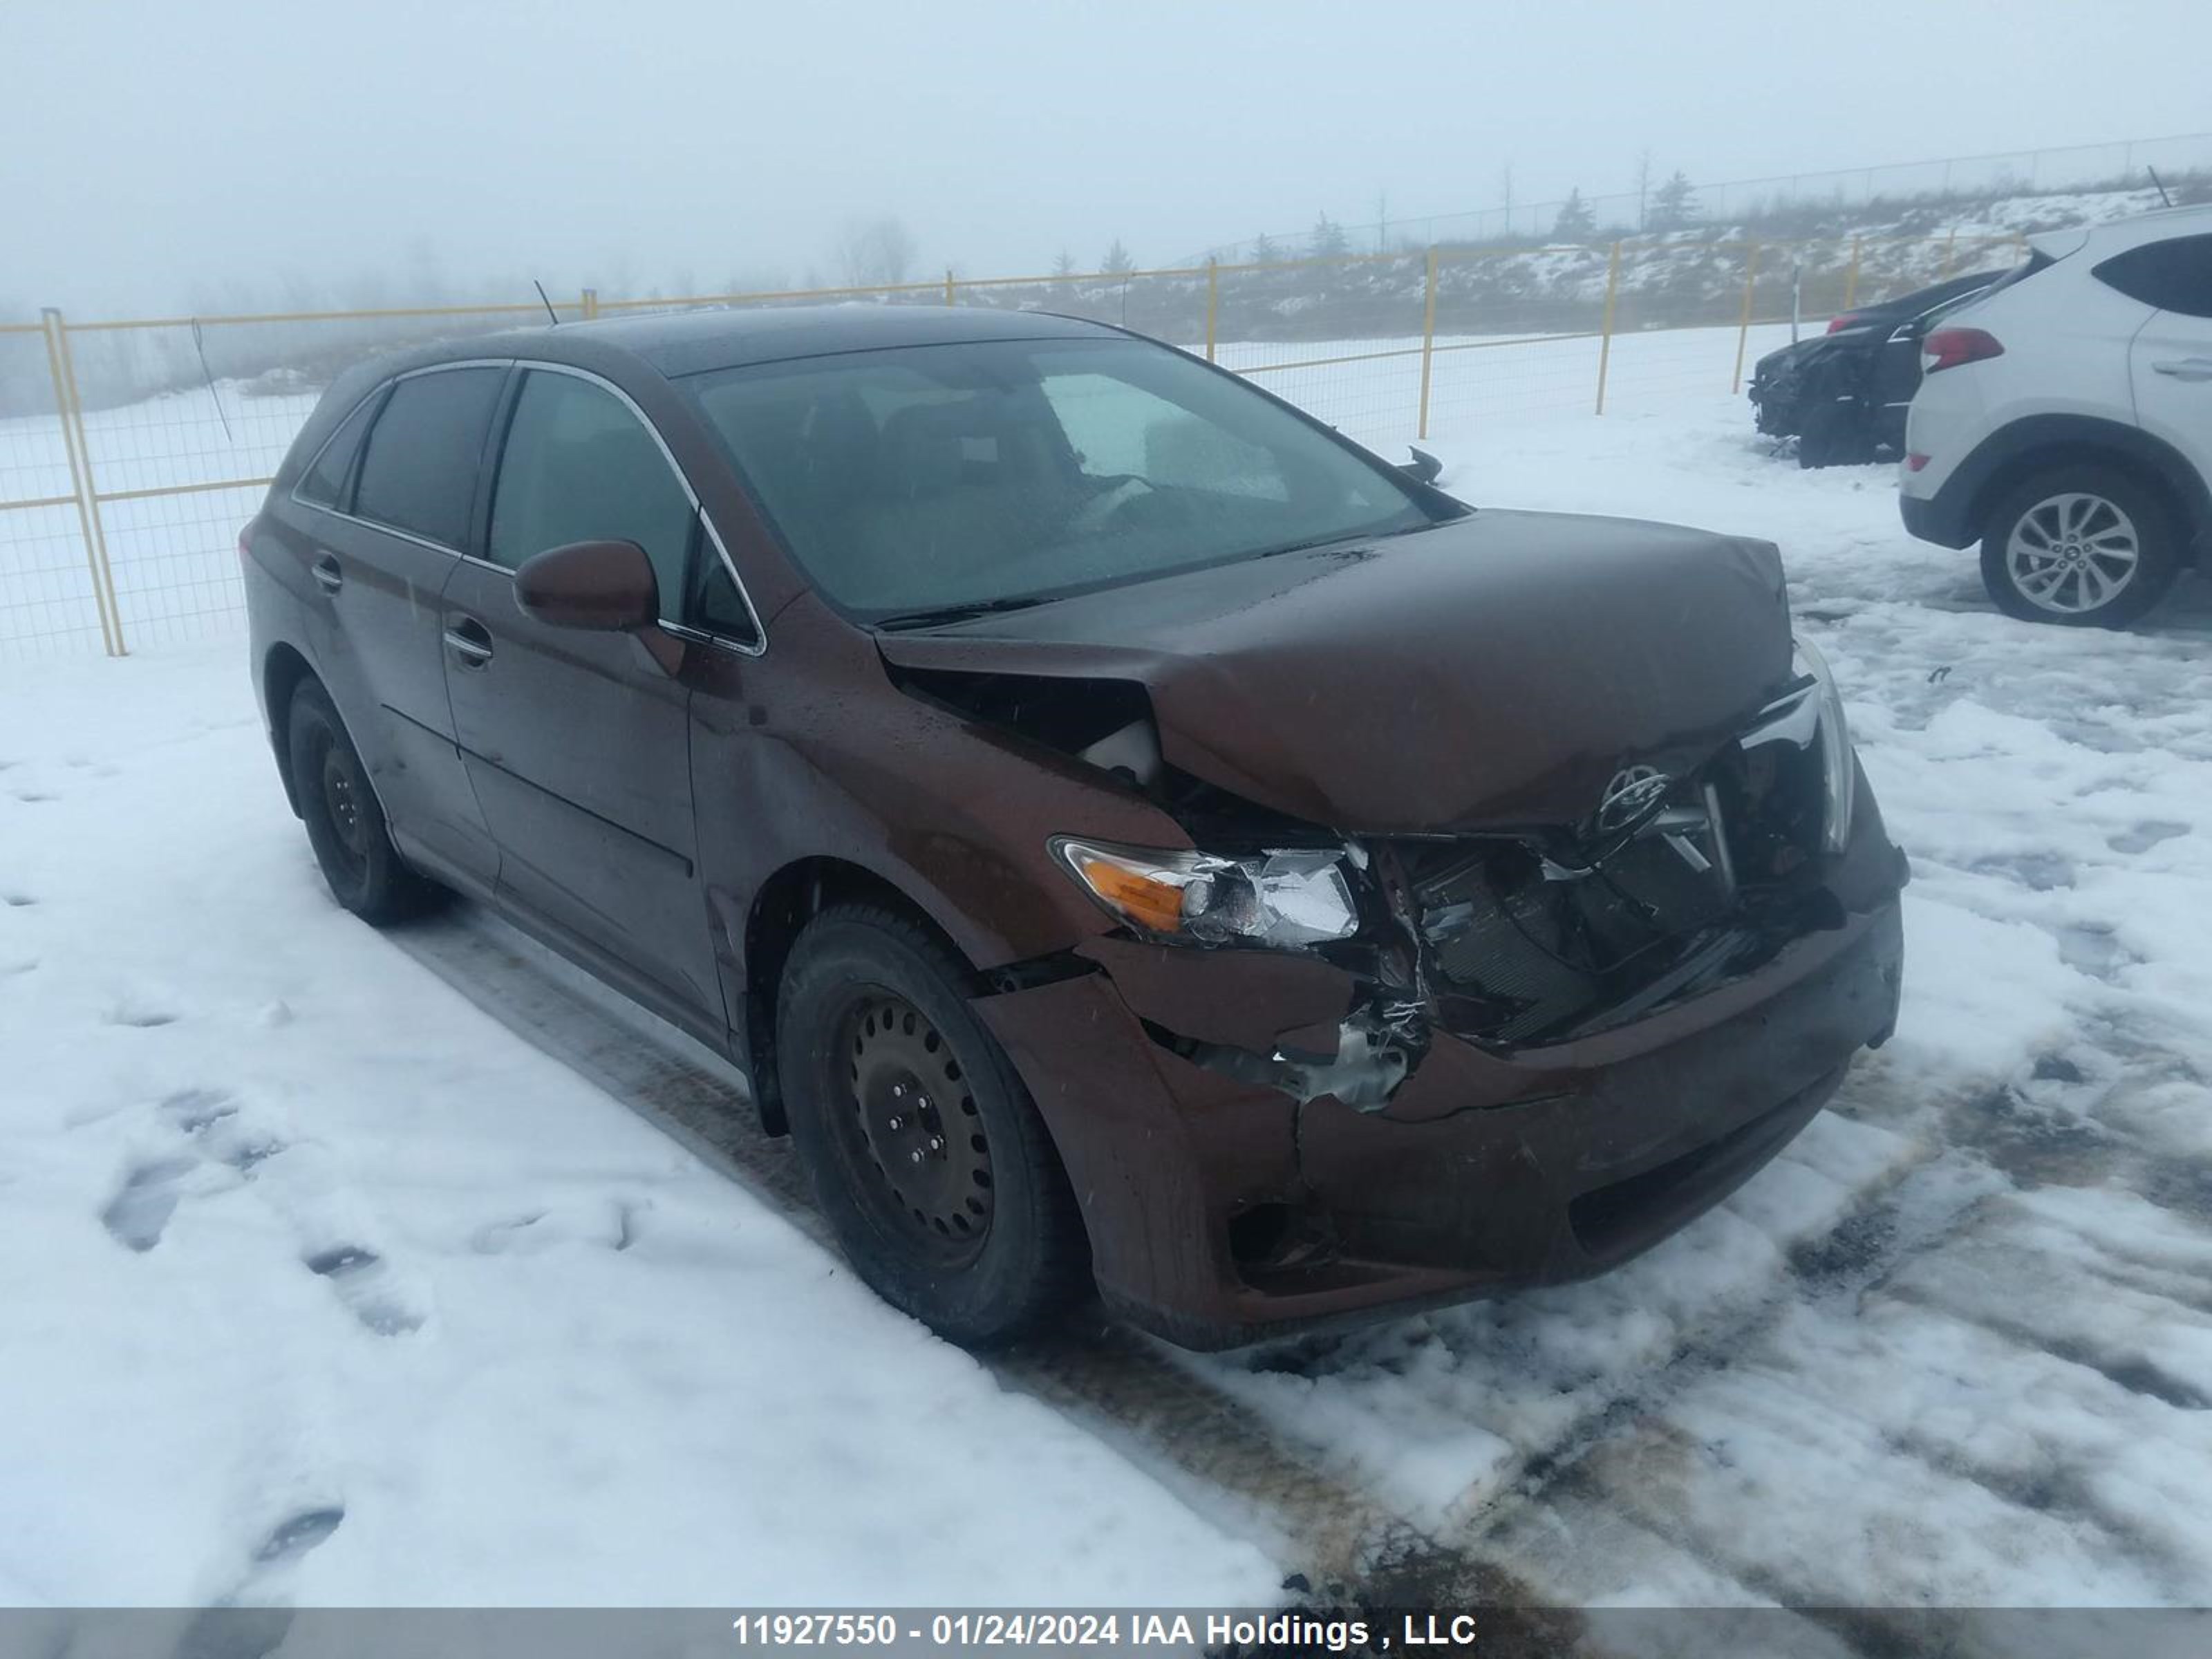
{"points": [[758, 646], [755, 647], [702, 636], [378, 390]]}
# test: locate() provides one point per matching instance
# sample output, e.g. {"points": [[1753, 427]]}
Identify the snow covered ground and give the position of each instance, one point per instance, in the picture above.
{"points": [[322, 1286], [325, 1286]]}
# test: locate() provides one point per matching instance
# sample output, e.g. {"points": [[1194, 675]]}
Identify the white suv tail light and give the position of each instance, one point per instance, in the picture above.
{"points": [[1947, 348]]}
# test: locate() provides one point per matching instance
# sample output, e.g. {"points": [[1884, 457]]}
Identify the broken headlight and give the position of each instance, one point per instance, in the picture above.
{"points": [[1839, 767], [1290, 898]]}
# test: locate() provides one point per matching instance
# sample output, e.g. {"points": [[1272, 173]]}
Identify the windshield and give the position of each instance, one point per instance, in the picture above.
{"points": [[947, 477]]}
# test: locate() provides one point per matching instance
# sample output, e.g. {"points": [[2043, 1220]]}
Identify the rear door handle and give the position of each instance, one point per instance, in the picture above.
{"points": [[469, 640], [328, 573], [2186, 368]]}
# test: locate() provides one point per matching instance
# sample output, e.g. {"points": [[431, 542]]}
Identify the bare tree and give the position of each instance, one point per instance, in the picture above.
{"points": [[875, 253]]}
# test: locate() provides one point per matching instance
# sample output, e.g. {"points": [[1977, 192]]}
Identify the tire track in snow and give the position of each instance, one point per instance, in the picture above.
{"points": [[1110, 1379], [1914, 1213], [1889, 1222]]}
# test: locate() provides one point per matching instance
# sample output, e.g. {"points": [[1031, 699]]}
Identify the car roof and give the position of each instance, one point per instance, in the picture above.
{"points": [[2114, 235], [676, 343]]}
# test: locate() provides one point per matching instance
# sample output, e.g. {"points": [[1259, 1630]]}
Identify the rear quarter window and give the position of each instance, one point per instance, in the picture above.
{"points": [[2169, 276], [326, 482], [419, 473]]}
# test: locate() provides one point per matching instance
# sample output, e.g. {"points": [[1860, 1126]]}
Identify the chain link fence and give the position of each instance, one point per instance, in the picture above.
{"points": [[131, 451], [1932, 191]]}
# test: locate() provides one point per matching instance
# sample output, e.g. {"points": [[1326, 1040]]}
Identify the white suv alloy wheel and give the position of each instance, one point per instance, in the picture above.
{"points": [[2072, 553]]}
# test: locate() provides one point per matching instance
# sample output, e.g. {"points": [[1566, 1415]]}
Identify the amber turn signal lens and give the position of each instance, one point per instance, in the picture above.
{"points": [[1142, 896]]}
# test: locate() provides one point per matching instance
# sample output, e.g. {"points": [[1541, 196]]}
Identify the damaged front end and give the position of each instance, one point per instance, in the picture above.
{"points": [[1678, 882], [1300, 1070]]}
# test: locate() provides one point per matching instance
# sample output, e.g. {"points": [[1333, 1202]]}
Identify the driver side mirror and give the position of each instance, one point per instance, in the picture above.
{"points": [[605, 587]]}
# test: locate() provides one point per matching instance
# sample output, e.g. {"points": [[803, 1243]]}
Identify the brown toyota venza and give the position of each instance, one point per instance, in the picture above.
{"points": [[1127, 833]]}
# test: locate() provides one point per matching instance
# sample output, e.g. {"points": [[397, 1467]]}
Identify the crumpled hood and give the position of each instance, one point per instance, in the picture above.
{"points": [[1802, 354], [1496, 671]]}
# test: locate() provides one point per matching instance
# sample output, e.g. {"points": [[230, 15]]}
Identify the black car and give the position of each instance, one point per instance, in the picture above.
{"points": [[1842, 394]]}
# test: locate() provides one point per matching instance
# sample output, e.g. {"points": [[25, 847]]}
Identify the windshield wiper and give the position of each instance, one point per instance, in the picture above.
{"points": [[1339, 541], [951, 613]]}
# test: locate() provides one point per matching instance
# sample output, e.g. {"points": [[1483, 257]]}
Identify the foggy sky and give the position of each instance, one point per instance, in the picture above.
{"points": [[156, 153]]}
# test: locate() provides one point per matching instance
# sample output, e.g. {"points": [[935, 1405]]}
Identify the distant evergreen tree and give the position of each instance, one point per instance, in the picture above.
{"points": [[1575, 222], [1117, 262], [1264, 250], [1676, 204], [1329, 239], [1064, 265]]}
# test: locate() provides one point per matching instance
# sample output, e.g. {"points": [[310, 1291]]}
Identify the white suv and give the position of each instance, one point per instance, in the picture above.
{"points": [[2064, 422]]}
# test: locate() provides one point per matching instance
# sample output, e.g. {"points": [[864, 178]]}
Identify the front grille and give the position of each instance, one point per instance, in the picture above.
{"points": [[1532, 939]]}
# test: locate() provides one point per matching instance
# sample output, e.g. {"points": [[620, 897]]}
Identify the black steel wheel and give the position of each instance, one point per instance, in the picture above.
{"points": [[345, 820], [913, 1121], [925, 1151]]}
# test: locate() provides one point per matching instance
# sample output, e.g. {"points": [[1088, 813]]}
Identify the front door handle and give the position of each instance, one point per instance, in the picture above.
{"points": [[469, 640], [2186, 368], [328, 574]]}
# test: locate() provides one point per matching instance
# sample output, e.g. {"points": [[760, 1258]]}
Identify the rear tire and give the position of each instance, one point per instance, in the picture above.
{"points": [[345, 820], [2081, 544], [926, 1156]]}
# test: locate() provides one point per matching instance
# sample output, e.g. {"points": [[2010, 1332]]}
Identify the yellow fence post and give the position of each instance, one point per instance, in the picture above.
{"points": [[1605, 332], [70, 410], [1212, 302], [590, 306], [1743, 325], [948, 285], [1851, 277], [1428, 338]]}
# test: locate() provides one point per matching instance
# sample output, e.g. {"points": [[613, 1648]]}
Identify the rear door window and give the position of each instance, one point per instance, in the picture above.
{"points": [[419, 474], [326, 482], [579, 466], [2169, 276]]}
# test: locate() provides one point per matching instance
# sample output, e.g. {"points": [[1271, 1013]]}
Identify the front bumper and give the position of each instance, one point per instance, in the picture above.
{"points": [[1221, 1211]]}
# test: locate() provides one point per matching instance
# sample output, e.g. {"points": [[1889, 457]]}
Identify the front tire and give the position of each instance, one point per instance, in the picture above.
{"points": [[926, 1154], [1834, 436], [2080, 545], [344, 819]]}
